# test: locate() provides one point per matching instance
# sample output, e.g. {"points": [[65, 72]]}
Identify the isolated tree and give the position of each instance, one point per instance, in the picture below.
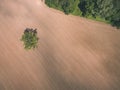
{"points": [[30, 38]]}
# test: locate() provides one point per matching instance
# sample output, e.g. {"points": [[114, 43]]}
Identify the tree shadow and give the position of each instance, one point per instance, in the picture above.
{"points": [[82, 7], [2, 87]]}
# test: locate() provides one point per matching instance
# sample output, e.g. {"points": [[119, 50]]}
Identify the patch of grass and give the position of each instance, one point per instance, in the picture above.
{"points": [[98, 19], [76, 11]]}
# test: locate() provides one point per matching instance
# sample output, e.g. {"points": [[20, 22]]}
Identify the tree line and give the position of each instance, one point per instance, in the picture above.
{"points": [[102, 10]]}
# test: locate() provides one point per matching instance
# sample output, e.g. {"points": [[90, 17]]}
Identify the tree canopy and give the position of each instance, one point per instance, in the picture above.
{"points": [[102, 10], [30, 38]]}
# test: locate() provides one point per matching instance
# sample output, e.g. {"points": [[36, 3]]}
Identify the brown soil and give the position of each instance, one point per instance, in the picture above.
{"points": [[73, 53]]}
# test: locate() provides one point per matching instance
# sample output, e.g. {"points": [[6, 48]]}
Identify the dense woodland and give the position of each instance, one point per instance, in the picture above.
{"points": [[101, 10]]}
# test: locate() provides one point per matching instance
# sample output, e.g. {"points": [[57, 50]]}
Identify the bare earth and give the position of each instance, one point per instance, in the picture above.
{"points": [[73, 53]]}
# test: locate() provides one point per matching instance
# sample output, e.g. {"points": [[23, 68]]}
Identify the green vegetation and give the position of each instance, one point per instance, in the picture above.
{"points": [[30, 38], [67, 6], [101, 10]]}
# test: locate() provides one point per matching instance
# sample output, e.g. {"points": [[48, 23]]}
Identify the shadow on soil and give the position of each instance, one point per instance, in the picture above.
{"points": [[57, 81], [112, 67]]}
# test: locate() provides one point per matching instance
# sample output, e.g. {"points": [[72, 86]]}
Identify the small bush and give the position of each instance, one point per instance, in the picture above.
{"points": [[30, 38]]}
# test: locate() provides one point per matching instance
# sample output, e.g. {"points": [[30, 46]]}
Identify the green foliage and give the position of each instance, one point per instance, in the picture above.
{"points": [[67, 6], [101, 10], [30, 39]]}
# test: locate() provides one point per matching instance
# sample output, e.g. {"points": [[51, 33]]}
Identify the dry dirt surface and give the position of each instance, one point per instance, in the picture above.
{"points": [[73, 53]]}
